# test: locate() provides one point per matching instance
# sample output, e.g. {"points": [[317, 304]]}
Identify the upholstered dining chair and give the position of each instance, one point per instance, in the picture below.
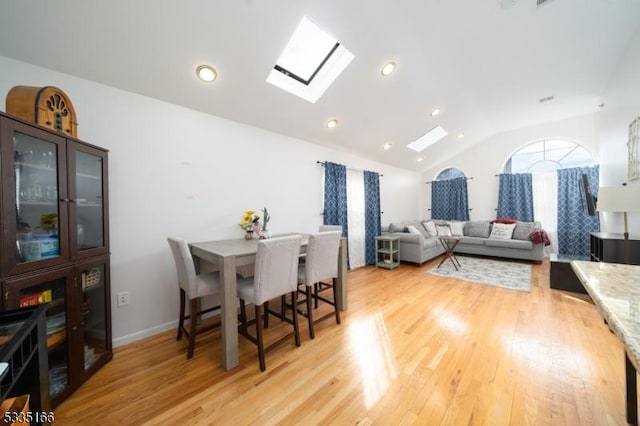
{"points": [[192, 287], [320, 266], [275, 275]]}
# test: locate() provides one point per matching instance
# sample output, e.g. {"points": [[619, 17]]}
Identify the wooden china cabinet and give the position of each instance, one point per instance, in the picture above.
{"points": [[54, 247]]}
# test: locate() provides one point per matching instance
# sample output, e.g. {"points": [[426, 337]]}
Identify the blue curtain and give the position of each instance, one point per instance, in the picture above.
{"points": [[449, 199], [574, 223], [371, 214], [515, 197], [335, 196]]}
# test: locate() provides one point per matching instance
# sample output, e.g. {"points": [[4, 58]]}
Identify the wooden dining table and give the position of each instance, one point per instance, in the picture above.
{"points": [[229, 257]]}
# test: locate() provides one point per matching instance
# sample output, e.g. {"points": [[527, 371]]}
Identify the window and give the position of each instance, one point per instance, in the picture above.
{"points": [[310, 62], [450, 173], [449, 196], [429, 138], [547, 156], [542, 159]]}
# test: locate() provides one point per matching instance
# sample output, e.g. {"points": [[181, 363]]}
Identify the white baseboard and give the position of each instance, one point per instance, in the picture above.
{"points": [[147, 332]]}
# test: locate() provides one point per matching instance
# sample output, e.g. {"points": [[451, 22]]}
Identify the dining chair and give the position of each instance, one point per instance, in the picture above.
{"points": [[321, 286], [275, 275], [320, 266], [193, 287]]}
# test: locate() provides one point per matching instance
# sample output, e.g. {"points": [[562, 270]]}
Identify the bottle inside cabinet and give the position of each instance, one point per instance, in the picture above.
{"points": [[37, 209]]}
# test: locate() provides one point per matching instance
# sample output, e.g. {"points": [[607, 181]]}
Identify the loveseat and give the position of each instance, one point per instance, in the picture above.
{"points": [[419, 243]]}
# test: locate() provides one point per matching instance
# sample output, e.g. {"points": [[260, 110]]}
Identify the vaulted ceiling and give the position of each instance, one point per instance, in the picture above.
{"points": [[484, 63]]}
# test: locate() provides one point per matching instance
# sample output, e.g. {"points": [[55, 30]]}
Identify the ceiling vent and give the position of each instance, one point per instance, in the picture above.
{"points": [[542, 2]]}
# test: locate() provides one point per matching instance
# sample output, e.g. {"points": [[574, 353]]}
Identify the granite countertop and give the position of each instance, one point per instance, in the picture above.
{"points": [[615, 289]]}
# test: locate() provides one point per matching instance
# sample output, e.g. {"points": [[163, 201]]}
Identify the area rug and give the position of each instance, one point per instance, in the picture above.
{"points": [[515, 276]]}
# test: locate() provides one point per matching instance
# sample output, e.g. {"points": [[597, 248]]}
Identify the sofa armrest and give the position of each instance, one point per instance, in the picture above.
{"points": [[406, 237]]}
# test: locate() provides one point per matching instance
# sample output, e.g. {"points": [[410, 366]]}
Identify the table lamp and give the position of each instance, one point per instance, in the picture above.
{"points": [[625, 199]]}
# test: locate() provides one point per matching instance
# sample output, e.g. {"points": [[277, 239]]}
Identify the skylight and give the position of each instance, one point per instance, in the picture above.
{"points": [[429, 138], [310, 62]]}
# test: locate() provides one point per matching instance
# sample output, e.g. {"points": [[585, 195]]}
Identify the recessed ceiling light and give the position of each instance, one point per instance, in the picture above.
{"points": [[435, 112], [460, 135], [386, 146], [388, 68], [332, 123], [206, 73], [420, 159]]}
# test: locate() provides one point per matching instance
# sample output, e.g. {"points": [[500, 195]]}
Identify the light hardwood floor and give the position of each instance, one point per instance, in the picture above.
{"points": [[412, 349]]}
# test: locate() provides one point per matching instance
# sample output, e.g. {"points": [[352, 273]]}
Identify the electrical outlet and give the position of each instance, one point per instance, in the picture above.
{"points": [[123, 299]]}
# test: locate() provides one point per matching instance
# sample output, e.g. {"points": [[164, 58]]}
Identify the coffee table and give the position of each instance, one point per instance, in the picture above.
{"points": [[449, 244]]}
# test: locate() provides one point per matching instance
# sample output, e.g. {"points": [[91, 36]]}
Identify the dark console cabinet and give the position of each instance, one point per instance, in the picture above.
{"points": [[613, 248], [604, 247]]}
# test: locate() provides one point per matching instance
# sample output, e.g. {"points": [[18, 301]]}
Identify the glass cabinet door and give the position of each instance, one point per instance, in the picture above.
{"points": [[53, 291], [87, 187], [39, 219], [97, 342]]}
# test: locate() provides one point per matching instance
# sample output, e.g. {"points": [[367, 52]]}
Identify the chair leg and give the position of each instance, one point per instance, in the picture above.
{"points": [[260, 342], [316, 288], [312, 334], [266, 314], [194, 323], [294, 310], [335, 301], [243, 316], [181, 318], [283, 312]]}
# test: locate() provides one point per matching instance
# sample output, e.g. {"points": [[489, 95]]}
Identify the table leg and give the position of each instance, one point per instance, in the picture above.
{"points": [[632, 391], [229, 314], [448, 254]]}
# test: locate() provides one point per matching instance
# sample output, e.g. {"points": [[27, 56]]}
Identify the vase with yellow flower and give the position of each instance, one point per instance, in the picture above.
{"points": [[248, 223]]}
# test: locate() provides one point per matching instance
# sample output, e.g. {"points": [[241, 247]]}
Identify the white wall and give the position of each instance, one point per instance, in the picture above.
{"points": [[487, 159], [175, 171], [622, 106]]}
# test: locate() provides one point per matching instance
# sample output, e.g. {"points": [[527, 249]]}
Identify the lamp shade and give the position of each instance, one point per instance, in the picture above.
{"points": [[619, 199]]}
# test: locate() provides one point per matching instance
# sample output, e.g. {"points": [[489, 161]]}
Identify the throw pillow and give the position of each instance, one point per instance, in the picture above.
{"points": [[522, 231], [396, 227], [413, 230], [457, 228], [502, 231], [418, 225], [477, 228], [443, 230], [430, 227], [504, 220]]}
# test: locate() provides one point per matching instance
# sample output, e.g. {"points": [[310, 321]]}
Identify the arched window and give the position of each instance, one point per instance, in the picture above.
{"points": [[542, 159], [547, 155], [450, 173], [449, 199]]}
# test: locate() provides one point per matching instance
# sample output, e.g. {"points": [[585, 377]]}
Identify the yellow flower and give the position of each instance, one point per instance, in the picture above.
{"points": [[249, 217]]}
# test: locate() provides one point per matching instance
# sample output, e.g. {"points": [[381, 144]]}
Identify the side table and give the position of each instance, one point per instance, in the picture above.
{"points": [[449, 243], [561, 275], [387, 252]]}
